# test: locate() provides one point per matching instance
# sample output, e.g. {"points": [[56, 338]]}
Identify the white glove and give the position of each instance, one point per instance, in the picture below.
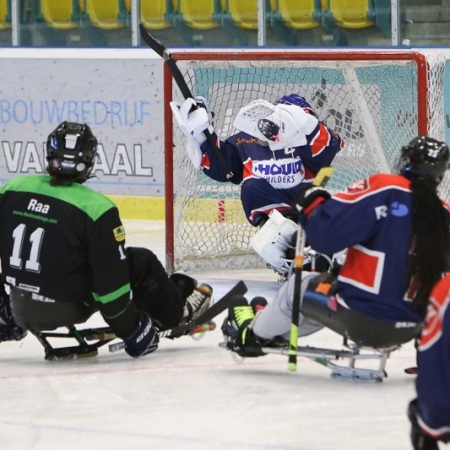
{"points": [[193, 121], [201, 101]]}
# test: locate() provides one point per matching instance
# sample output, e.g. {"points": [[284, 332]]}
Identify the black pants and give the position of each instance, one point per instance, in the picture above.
{"points": [[153, 292], [364, 330], [32, 313]]}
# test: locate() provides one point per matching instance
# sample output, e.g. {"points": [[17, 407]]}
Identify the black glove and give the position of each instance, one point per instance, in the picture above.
{"points": [[419, 440], [308, 195], [143, 339]]}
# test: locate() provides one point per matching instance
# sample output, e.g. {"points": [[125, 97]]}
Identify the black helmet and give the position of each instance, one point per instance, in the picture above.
{"points": [[71, 150], [424, 157]]}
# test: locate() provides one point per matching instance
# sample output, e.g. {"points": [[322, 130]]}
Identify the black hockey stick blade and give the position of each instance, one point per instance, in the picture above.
{"points": [[166, 55], [218, 307], [153, 43]]}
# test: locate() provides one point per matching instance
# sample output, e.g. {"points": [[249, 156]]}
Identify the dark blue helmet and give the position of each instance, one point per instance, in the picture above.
{"points": [[424, 157], [71, 151], [296, 99]]}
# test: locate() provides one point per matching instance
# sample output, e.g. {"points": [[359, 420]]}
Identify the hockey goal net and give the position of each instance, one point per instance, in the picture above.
{"points": [[376, 100]]}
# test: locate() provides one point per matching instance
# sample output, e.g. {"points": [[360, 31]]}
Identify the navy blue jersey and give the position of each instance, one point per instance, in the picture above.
{"points": [[270, 178], [433, 379], [372, 218], [64, 243]]}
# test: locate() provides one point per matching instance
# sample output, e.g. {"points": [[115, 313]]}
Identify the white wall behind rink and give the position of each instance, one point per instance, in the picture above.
{"points": [[116, 91]]}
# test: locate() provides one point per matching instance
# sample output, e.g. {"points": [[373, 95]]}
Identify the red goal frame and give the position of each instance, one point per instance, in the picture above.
{"points": [[278, 55]]}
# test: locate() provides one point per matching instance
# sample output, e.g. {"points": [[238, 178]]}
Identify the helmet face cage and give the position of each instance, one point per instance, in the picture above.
{"points": [[71, 151], [424, 157]]}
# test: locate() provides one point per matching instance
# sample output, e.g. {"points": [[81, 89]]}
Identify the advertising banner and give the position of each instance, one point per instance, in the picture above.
{"points": [[118, 93]]}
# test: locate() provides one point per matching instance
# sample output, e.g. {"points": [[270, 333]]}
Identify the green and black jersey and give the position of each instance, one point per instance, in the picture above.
{"points": [[65, 243]]}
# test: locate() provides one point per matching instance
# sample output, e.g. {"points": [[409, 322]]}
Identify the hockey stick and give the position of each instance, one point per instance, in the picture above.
{"points": [[321, 179], [219, 306], [165, 54]]}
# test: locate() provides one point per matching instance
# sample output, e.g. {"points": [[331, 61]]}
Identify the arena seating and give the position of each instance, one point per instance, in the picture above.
{"points": [[5, 16], [297, 15], [198, 14], [104, 14], [154, 12], [59, 14], [244, 13], [350, 13]]}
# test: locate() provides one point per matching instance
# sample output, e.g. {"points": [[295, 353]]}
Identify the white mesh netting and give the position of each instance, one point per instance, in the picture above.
{"points": [[374, 104]]}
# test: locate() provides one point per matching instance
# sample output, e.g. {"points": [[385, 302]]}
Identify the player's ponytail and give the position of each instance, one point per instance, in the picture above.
{"points": [[430, 240]]}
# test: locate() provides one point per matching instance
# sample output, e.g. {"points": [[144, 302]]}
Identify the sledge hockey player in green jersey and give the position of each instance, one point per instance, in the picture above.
{"points": [[63, 256]]}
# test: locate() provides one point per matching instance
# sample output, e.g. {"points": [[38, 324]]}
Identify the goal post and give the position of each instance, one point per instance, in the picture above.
{"points": [[376, 100]]}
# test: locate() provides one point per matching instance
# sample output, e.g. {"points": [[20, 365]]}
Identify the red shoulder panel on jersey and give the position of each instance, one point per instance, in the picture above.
{"points": [[439, 301], [373, 184], [321, 140]]}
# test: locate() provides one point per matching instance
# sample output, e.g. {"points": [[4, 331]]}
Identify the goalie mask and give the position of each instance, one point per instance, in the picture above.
{"points": [[281, 125], [298, 100], [71, 151], [424, 157]]}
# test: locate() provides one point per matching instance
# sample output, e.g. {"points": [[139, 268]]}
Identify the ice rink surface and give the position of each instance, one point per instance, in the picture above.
{"points": [[193, 395]]}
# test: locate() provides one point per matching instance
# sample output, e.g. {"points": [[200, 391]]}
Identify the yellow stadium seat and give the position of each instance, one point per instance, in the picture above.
{"points": [[104, 14], [300, 15], [4, 14], [351, 13], [198, 13], [243, 12], [153, 14], [60, 14]]}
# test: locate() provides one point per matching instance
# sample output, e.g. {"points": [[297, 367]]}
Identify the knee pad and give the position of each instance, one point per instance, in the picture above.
{"points": [[273, 241]]}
